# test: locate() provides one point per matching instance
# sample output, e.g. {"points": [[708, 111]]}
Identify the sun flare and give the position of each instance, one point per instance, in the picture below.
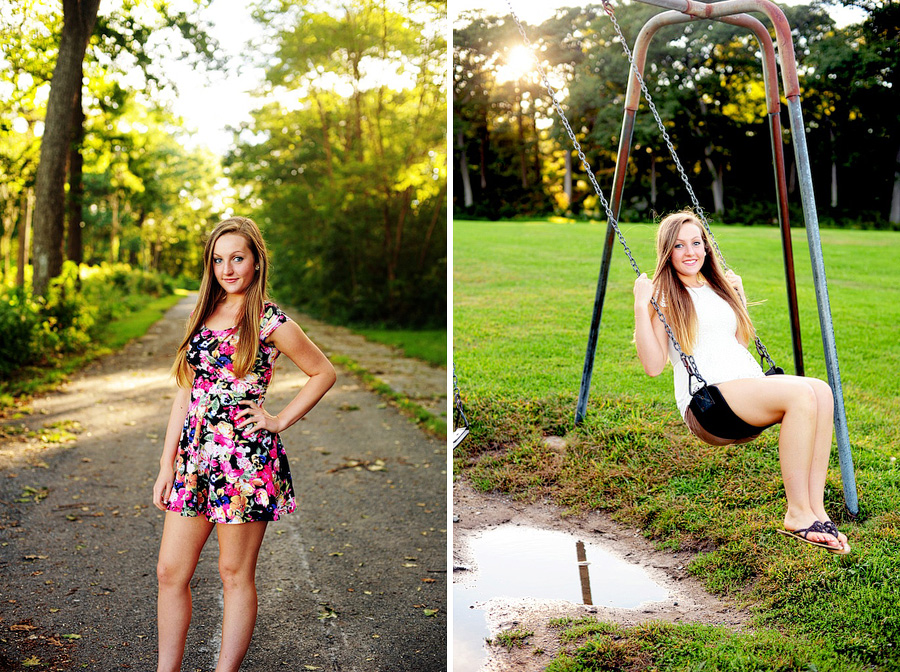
{"points": [[519, 62]]}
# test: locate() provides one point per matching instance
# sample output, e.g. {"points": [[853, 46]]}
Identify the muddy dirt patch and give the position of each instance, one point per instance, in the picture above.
{"points": [[682, 599]]}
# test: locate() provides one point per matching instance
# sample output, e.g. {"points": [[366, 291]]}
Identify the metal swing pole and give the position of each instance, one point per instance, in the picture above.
{"points": [[798, 134]]}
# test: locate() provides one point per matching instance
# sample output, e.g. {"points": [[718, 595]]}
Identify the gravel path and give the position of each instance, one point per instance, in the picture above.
{"points": [[354, 580]]}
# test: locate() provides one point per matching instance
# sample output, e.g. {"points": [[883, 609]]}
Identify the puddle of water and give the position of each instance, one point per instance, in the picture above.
{"points": [[524, 562]]}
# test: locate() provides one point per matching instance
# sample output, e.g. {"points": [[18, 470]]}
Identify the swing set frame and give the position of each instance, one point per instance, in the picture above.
{"points": [[733, 12]]}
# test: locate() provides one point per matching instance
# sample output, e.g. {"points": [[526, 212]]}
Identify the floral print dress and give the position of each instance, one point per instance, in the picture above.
{"points": [[220, 473]]}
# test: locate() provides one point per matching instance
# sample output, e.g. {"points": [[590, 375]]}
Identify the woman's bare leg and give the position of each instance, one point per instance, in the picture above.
{"points": [[182, 540], [238, 552], [798, 405]]}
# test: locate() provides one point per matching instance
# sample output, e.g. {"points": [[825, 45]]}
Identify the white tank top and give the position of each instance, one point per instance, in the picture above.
{"points": [[718, 354]]}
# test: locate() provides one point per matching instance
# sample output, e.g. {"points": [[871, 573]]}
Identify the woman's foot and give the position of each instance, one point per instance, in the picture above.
{"points": [[832, 529], [812, 531]]}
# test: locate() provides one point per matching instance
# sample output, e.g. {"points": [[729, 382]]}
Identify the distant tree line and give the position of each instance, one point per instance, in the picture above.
{"points": [[512, 157]]}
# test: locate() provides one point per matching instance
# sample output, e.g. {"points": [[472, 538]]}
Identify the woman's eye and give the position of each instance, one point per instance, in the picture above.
{"points": [[238, 259], [217, 261]]}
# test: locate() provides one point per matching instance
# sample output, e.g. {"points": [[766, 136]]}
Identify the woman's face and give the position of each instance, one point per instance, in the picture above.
{"points": [[689, 253], [233, 263]]}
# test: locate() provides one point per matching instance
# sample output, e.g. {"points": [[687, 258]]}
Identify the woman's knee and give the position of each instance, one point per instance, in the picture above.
{"points": [[823, 392], [172, 574], [804, 399], [236, 573]]}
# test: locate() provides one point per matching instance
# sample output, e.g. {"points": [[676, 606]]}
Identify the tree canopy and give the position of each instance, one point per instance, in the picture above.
{"points": [[343, 163], [706, 80]]}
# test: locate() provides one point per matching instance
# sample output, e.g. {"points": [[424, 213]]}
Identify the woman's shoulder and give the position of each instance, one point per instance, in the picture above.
{"points": [[272, 317]]}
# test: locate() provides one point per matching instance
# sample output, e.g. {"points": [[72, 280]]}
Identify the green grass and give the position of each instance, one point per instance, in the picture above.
{"points": [[429, 345], [421, 416], [35, 379], [512, 639], [523, 293]]}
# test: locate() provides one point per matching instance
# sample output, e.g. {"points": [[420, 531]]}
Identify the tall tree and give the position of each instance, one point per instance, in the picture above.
{"points": [[79, 17]]}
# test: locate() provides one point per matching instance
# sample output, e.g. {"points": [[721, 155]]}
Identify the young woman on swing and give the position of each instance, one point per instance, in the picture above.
{"points": [[706, 309]]}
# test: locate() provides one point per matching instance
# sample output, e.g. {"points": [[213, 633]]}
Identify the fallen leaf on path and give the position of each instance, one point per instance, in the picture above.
{"points": [[71, 636], [36, 557], [34, 661], [22, 627], [430, 612], [326, 612], [428, 580], [371, 465]]}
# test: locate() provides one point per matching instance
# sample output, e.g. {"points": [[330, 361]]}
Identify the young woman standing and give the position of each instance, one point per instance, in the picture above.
{"points": [[223, 464]]}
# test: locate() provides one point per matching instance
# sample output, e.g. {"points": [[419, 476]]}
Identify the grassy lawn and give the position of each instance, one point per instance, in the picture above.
{"points": [[522, 297], [429, 345]]}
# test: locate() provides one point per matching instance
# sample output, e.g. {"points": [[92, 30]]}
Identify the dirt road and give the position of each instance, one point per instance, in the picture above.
{"points": [[354, 580]]}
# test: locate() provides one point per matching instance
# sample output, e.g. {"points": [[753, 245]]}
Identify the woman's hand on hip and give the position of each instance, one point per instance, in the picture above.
{"points": [[255, 418]]}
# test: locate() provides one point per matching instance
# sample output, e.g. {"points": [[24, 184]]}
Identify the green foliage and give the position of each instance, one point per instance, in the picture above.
{"points": [[428, 345], [512, 154], [76, 311], [512, 639], [349, 182], [522, 302], [666, 648]]}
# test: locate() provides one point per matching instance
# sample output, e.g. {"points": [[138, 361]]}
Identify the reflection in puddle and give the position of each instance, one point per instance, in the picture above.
{"points": [[518, 562]]}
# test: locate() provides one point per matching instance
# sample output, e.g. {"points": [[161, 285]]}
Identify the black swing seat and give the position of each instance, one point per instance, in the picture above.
{"points": [[716, 417]]}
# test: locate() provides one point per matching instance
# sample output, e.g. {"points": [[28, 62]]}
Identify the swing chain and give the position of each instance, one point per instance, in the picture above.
{"points": [[687, 360], [458, 411]]}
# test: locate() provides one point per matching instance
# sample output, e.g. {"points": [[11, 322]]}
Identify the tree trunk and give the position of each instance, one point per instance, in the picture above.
{"points": [[567, 179], [326, 137], [10, 215], [114, 234], [653, 192], [79, 17], [523, 165], [717, 176], [468, 201], [25, 235], [482, 155], [834, 185], [536, 154], [74, 250], [894, 216]]}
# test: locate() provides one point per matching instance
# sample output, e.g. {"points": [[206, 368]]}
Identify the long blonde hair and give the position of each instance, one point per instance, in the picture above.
{"points": [[676, 303], [211, 293]]}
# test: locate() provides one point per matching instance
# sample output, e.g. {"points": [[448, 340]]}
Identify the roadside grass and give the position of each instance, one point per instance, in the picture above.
{"points": [[523, 293], [33, 380], [432, 424], [429, 345]]}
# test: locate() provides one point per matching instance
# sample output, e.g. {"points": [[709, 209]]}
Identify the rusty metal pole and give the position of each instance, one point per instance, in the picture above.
{"points": [[615, 206], [583, 573]]}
